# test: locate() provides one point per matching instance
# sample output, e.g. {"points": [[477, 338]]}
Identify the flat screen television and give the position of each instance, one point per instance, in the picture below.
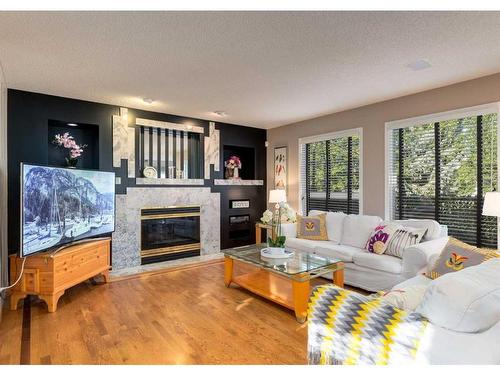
{"points": [[63, 205]]}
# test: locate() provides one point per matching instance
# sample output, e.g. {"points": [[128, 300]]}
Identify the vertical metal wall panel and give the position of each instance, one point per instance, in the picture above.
{"points": [[147, 161], [185, 169], [170, 154], [178, 166], [154, 142], [163, 154]]}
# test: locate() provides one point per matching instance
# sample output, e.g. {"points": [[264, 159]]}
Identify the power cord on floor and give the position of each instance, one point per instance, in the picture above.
{"points": [[18, 279]]}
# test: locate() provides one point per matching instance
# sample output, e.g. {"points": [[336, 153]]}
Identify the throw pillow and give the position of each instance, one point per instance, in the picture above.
{"points": [[404, 298], [312, 227], [404, 238], [380, 237], [457, 255]]}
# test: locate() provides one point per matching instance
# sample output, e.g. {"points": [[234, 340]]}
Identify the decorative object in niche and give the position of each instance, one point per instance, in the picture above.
{"points": [[233, 164], [68, 142], [150, 172], [280, 168]]}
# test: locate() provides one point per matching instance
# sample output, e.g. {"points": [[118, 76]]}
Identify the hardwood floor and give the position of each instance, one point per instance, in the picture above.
{"points": [[179, 317]]}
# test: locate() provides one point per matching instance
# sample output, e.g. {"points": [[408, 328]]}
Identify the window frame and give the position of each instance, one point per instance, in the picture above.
{"points": [[478, 110], [324, 137]]}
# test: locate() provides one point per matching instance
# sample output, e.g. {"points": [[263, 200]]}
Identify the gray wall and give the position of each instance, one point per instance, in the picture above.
{"points": [[372, 119]]}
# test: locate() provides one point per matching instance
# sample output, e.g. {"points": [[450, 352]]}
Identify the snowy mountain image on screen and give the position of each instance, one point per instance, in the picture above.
{"points": [[61, 205]]}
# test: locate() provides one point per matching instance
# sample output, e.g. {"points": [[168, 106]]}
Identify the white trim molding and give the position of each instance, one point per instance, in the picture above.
{"points": [[324, 137], [432, 118]]}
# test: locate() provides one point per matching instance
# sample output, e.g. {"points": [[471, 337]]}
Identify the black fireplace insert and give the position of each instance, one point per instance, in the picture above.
{"points": [[169, 233]]}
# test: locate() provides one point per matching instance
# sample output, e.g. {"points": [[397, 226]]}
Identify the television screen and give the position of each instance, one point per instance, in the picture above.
{"points": [[62, 205]]}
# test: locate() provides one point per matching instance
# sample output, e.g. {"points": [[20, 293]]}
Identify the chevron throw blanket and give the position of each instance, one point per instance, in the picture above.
{"points": [[347, 328]]}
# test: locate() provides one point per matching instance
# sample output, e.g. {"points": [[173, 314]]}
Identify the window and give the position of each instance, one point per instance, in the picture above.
{"points": [[441, 168], [330, 172]]}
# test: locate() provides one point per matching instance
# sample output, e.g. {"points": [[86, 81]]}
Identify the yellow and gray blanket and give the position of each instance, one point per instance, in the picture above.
{"points": [[347, 328]]}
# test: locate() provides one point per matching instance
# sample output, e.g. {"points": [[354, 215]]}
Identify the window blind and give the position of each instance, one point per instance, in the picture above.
{"points": [[330, 174], [441, 170]]}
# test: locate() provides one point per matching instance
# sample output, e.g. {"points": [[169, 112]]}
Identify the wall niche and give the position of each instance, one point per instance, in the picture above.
{"points": [[84, 134], [247, 158]]}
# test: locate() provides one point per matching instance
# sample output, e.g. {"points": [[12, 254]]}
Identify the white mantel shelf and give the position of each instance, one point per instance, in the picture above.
{"points": [[239, 182], [169, 181]]}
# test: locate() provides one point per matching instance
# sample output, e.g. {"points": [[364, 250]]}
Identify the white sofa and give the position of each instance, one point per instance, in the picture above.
{"points": [[347, 237], [451, 303]]}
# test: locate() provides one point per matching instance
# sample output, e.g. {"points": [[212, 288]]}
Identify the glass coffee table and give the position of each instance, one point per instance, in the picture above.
{"points": [[284, 281]]}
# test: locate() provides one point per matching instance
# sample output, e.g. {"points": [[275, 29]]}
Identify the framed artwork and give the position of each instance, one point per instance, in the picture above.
{"points": [[280, 168]]}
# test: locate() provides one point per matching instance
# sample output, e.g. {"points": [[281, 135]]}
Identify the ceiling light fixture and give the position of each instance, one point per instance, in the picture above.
{"points": [[147, 100], [72, 124], [419, 65], [220, 113]]}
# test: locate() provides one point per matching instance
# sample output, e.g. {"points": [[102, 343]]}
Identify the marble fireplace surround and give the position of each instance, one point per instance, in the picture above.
{"points": [[127, 235]]}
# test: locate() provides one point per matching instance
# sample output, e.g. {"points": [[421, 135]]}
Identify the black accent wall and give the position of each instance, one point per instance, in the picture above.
{"points": [[28, 117]]}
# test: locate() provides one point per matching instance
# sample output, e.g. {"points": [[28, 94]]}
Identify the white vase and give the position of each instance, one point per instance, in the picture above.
{"points": [[235, 174]]}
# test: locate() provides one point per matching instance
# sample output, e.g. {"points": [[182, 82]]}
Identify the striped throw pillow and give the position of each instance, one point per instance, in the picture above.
{"points": [[403, 239]]}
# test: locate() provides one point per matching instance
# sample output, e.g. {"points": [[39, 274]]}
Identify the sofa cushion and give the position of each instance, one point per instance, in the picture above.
{"points": [[357, 229], [465, 301], [303, 244], [414, 281], [334, 224], [407, 298], [312, 227], [457, 255], [382, 262], [332, 250]]}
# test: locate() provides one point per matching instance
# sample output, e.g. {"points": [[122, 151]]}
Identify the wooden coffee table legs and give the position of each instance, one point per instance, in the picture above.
{"points": [[338, 276], [228, 271], [301, 290]]}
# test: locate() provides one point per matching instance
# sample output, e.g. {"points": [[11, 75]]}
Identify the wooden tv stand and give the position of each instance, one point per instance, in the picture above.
{"points": [[48, 275]]}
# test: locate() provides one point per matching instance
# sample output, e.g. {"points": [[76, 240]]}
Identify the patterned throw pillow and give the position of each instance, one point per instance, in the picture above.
{"points": [[404, 238], [380, 237], [458, 255], [312, 227]]}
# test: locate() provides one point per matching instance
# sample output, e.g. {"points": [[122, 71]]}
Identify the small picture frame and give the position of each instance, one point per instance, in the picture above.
{"points": [[241, 203], [280, 168]]}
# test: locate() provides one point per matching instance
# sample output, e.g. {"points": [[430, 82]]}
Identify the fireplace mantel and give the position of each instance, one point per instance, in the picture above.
{"points": [[126, 238]]}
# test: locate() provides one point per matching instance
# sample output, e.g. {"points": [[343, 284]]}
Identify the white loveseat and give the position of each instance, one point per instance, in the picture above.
{"points": [[347, 237], [463, 309]]}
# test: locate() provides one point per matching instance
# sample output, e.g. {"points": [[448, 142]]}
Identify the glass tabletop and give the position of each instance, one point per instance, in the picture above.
{"points": [[299, 262]]}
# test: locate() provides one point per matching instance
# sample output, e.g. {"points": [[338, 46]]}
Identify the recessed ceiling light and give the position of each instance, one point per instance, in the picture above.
{"points": [[419, 65], [72, 124], [220, 113], [147, 100]]}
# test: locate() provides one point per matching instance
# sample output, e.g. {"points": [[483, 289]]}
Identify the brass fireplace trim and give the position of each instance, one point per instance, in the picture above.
{"points": [[165, 207], [170, 216], [170, 250]]}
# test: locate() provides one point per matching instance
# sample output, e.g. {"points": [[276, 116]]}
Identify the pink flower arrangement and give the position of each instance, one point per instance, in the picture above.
{"points": [[67, 141], [233, 162]]}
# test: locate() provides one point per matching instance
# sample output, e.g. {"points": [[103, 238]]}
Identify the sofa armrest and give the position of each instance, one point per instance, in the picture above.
{"points": [[289, 230], [416, 258]]}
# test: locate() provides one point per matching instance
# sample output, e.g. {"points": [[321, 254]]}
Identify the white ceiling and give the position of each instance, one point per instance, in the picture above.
{"points": [[265, 69]]}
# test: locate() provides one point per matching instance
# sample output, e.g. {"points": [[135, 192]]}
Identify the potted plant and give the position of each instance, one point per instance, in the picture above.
{"points": [[75, 150], [283, 213]]}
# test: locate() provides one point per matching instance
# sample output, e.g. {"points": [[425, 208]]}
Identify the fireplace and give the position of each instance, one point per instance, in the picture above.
{"points": [[169, 233]]}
